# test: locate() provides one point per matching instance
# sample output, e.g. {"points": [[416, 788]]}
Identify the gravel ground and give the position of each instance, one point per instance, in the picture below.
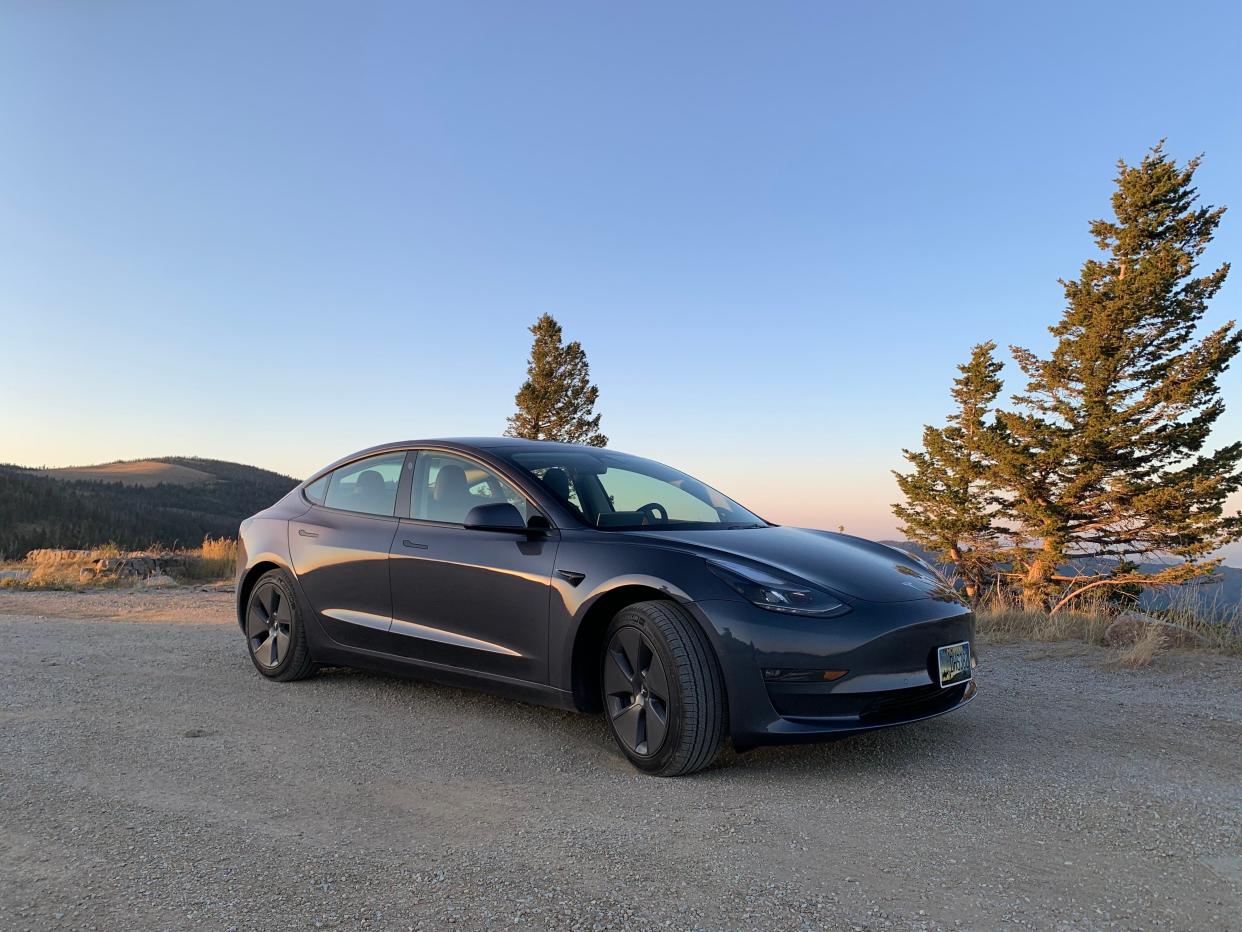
{"points": [[149, 778]]}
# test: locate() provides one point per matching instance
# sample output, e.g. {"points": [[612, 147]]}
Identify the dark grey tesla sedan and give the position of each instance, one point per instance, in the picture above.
{"points": [[592, 580]]}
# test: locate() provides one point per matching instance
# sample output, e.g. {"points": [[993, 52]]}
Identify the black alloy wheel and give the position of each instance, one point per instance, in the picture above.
{"points": [[269, 624], [663, 690], [274, 632], [636, 687]]}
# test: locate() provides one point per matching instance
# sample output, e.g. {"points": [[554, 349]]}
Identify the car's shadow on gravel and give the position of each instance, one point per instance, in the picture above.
{"points": [[939, 743], [944, 743]]}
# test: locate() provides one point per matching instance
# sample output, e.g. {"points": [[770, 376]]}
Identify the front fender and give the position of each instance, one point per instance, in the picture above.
{"points": [[609, 572], [664, 586]]}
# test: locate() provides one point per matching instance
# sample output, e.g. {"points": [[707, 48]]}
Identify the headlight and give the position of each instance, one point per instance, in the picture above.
{"points": [[778, 593]]}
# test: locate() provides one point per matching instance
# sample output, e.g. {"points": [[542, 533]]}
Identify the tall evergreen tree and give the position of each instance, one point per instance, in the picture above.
{"points": [[950, 501], [1103, 455], [557, 400]]}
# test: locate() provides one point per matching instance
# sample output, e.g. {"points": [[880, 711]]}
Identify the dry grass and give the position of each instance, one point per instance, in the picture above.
{"points": [[1017, 624], [1143, 651], [1218, 630], [48, 559], [61, 569], [1220, 625], [214, 561]]}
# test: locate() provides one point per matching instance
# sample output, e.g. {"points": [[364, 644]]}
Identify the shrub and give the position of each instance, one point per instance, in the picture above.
{"points": [[215, 560]]}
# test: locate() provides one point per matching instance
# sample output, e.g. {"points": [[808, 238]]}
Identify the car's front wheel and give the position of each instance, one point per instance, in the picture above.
{"points": [[663, 690], [274, 632]]}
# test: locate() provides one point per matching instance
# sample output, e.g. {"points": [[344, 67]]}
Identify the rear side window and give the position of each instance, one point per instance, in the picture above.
{"points": [[315, 491], [368, 486]]}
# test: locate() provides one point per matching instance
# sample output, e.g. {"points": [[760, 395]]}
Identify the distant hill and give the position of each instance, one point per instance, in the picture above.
{"points": [[1219, 595], [134, 472], [172, 500]]}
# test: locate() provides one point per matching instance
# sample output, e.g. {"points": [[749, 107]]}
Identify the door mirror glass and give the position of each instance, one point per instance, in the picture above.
{"points": [[500, 516]]}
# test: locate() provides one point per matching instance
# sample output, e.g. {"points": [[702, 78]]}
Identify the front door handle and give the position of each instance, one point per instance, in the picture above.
{"points": [[410, 543], [302, 532]]}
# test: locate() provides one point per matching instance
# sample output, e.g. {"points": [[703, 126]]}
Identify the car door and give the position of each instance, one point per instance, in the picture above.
{"points": [[465, 597], [340, 549]]}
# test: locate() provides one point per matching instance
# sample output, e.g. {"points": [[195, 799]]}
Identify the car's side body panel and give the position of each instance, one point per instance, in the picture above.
{"points": [[461, 606], [341, 559], [472, 599]]}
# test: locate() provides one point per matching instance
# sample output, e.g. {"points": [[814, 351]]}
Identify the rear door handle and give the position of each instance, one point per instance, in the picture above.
{"points": [[302, 532], [409, 543]]}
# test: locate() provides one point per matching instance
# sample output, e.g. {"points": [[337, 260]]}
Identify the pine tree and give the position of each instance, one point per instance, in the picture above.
{"points": [[1103, 455], [557, 400], [950, 502]]}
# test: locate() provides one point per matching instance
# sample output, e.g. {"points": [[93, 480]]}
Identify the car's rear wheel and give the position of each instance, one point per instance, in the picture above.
{"points": [[663, 690], [275, 635]]}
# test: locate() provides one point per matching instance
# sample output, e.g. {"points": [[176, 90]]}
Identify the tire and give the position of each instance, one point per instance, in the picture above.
{"points": [[275, 633], [652, 648]]}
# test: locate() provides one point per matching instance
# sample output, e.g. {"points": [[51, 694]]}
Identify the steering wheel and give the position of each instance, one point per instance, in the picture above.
{"points": [[650, 510]]}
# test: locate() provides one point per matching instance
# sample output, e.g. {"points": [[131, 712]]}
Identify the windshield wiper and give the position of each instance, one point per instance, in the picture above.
{"points": [[742, 527]]}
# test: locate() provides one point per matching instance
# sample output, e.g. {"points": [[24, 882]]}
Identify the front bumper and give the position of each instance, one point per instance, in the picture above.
{"points": [[887, 650]]}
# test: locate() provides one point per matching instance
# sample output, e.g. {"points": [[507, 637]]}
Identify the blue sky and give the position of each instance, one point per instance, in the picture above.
{"points": [[276, 233]]}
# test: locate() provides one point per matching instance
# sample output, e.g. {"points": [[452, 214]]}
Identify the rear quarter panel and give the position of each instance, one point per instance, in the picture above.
{"points": [[263, 540]]}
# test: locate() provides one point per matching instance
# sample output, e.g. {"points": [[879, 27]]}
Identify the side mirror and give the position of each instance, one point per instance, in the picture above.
{"points": [[498, 516]]}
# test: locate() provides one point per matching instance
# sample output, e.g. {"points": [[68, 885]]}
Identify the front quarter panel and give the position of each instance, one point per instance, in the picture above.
{"points": [[608, 564]]}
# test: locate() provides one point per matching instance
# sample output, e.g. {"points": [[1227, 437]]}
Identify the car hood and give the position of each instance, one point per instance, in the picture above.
{"points": [[850, 566]]}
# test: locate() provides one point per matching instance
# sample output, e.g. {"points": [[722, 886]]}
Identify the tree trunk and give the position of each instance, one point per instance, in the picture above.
{"points": [[969, 581], [1038, 579]]}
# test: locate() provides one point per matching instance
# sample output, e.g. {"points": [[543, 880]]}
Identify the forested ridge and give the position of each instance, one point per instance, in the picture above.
{"points": [[41, 511]]}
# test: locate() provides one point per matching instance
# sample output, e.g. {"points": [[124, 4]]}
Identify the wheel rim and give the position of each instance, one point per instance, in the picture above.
{"points": [[268, 624], [636, 692]]}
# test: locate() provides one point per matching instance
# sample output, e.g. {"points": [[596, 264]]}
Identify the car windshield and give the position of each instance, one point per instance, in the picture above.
{"points": [[615, 491]]}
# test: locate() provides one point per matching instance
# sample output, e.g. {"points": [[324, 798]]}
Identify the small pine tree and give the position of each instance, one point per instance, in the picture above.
{"points": [[1104, 452], [557, 400], [950, 502]]}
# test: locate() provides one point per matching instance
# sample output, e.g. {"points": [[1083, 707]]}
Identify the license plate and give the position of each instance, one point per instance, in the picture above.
{"points": [[954, 663]]}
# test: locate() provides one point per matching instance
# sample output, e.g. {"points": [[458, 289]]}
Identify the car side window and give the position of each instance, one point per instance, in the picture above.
{"points": [[446, 487], [561, 484], [368, 486], [315, 491]]}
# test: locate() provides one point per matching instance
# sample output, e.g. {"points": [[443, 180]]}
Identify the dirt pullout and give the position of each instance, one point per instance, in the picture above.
{"points": [[149, 778], [211, 604]]}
